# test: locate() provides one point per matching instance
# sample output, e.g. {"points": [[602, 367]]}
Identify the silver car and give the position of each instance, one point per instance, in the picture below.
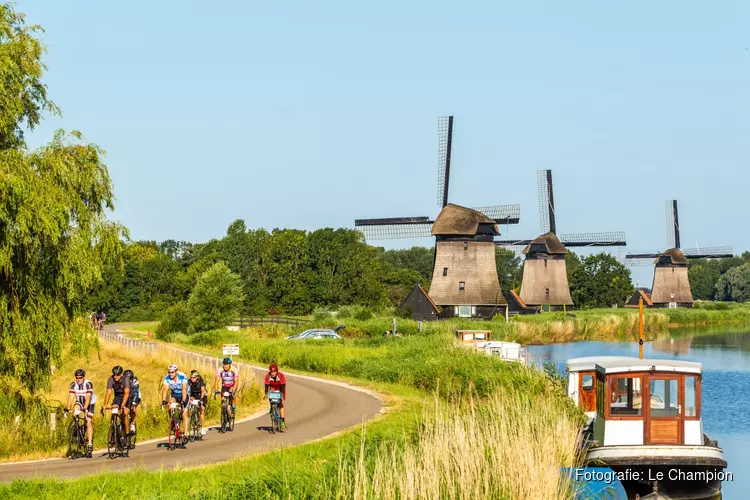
{"points": [[317, 333]]}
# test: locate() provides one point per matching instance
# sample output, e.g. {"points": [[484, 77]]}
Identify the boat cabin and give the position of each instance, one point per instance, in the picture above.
{"points": [[468, 337], [507, 351], [582, 381], [672, 389]]}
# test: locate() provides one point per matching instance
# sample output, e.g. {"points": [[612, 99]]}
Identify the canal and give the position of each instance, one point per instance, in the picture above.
{"points": [[725, 355]]}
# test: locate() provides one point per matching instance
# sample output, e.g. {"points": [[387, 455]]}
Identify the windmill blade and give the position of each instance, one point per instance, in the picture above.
{"points": [[608, 239], [502, 214], [673, 224], [709, 253], [513, 246], [546, 201], [395, 227], [445, 140], [640, 260]]}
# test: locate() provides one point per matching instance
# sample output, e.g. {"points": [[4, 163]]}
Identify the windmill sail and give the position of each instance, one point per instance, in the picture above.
{"points": [[445, 142], [673, 224], [395, 227], [546, 201], [502, 214]]}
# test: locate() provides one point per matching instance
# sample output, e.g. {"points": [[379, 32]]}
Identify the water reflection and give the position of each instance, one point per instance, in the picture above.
{"points": [[725, 356]]}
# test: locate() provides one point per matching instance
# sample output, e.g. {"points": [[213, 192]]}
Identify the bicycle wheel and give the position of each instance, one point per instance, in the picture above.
{"points": [[231, 420], [73, 442], [277, 418], [172, 440], [133, 435], [112, 440], [124, 438], [196, 425], [224, 418]]}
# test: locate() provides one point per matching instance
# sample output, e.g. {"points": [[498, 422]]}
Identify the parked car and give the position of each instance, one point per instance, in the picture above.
{"points": [[318, 333]]}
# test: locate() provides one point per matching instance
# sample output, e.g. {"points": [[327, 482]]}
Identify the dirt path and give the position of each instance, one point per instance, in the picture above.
{"points": [[315, 408]]}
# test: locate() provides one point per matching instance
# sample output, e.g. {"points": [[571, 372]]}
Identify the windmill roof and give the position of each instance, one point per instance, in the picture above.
{"points": [[551, 243], [675, 255], [458, 220]]}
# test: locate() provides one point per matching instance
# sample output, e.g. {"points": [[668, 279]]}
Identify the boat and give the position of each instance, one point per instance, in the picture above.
{"points": [[657, 450], [506, 351]]}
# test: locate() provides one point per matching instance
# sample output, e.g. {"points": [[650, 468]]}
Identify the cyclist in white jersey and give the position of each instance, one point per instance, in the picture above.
{"points": [[81, 393]]}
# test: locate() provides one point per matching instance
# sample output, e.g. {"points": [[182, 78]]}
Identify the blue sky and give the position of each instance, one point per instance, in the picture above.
{"points": [[312, 114]]}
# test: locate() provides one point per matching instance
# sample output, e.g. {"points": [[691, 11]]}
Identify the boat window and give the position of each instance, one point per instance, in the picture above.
{"points": [[587, 382], [600, 399], [663, 397], [691, 408], [625, 397]]}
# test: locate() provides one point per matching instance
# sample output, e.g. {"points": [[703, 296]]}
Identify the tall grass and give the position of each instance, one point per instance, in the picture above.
{"points": [[505, 447], [32, 438]]}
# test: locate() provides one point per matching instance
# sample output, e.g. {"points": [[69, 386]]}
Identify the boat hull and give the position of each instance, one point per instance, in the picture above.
{"points": [[672, 472]]}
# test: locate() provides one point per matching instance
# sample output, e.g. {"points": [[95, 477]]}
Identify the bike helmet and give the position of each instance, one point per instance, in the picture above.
{"points": [[80, 372], [227, 361], [117, 370], [194, 373], [172, 368], [128, 373], [273, 367]]}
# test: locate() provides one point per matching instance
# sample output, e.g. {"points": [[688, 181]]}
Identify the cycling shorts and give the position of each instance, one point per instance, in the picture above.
{"points": [[177, 396], [90, 411]]}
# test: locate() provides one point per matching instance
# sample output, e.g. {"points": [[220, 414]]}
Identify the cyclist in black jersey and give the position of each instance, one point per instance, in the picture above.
{"points": [[135, 397], [119, 385], [197, 390]]}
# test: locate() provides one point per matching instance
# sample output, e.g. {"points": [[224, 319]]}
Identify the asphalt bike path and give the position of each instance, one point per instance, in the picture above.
{"points": [[315, 408]]}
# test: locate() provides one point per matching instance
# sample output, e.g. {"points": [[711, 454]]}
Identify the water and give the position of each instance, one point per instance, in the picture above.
{"points": [[725, 355]]}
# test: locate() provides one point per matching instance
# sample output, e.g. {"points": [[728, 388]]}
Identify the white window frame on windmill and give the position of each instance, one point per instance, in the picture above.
{"points": [[466, 311]]}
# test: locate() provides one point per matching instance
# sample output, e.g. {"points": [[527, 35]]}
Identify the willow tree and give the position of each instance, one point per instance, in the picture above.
{"points": [[54, 235]]}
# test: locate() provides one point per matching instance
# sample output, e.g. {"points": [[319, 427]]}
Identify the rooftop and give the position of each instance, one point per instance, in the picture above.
{"points": [[624, 365]]}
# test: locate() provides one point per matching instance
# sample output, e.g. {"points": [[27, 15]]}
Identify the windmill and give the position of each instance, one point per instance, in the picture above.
{"points": [[464, 279], [545, 278], [671, 286]]}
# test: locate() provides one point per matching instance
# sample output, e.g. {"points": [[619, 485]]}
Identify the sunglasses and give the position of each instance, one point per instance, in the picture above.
{"points": [[79, 378], [193, 376], [172, 372]]}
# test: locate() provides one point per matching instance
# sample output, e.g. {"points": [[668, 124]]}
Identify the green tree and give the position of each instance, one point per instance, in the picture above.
{"points": [[23, 96], [601, 281], [734, 285], [419, 259], [55, 240], [703, 278], [508, 269], [572, 264], [287, 271], [216, 298]]}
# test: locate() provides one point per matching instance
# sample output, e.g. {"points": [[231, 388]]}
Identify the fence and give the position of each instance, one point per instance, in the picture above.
{"points": [[186, 360], [247, 321]]}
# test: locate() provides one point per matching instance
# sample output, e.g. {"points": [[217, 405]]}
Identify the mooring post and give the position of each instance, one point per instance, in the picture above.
{"points": [[640, 328]]}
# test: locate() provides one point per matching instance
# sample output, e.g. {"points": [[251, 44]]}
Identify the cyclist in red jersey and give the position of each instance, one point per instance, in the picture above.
{"points": [[276, 381]]}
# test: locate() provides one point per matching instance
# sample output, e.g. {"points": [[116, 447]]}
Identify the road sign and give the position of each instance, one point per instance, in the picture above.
{"points": [[230, 349]]}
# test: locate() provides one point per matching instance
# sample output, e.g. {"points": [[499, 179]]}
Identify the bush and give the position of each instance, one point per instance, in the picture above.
{"points": [[175, 319], [363, 314], [321, 314], [404, 313], [215, 300], [345, 312]]}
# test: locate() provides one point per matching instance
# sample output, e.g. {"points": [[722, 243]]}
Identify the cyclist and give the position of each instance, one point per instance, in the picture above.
{"points": [[81, 392], [119, 384], [175, 386], [197, 390], [102, 318], [276, 381], [135, 397], [228, 379]]}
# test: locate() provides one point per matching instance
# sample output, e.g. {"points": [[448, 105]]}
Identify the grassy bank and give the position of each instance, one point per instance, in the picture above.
{"points": [[32, 438], [509, 445]]}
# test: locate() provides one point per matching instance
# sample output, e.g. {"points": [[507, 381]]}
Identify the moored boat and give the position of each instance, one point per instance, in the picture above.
{"points": [[657, 448]]}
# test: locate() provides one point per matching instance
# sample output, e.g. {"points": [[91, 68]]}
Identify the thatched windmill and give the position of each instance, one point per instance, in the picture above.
{"points": [[464, 278], [545, 279], [671, 287]]}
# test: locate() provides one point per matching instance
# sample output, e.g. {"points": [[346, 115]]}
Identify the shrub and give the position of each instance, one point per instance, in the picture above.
{"points": [[216, 298], [345, 312], [404, 313], [175, 319], [363, 314]]}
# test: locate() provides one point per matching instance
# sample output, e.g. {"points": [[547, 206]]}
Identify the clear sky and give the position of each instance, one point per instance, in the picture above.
{"points": [[311, 114]]}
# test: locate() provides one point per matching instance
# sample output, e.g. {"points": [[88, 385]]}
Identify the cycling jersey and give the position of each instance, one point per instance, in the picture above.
{"points": [[228, 379], [277, 383], [135, 392], [119, 387], [81, 390], [194, 388], [176, 385]]}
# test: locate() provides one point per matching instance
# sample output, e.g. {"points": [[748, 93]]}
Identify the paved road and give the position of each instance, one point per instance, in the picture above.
{"points": [[315, 409]]}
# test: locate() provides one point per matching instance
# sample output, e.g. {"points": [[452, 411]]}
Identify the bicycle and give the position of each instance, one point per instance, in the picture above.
{"points": [[118, 439], [134, 432], [227, 414], [77, 444], [176, 435], [194, 420], [275, 398]]}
